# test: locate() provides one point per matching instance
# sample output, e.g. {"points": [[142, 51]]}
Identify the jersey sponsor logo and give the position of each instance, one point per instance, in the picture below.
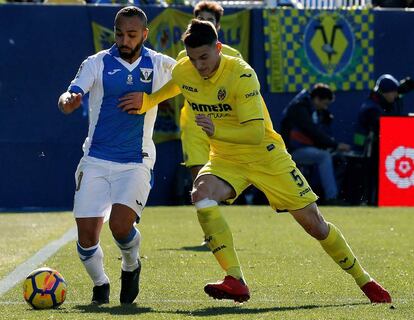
{"points": [[221, 94], [188, 88], [246, 75], [218, 115], [130, 80], [111, 73], [220, 107], [146, 75], [251, 94]]}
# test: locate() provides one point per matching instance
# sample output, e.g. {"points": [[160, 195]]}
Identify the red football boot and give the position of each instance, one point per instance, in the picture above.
{"points": [[229, 288], [376, 293]]}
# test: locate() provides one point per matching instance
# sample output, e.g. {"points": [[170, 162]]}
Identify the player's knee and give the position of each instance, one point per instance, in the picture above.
{"points": [[197, 195], [119, 229], [200, 191]]}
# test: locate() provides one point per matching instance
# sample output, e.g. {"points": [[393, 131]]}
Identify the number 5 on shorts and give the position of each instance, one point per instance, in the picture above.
{"points": [[297, 178]]}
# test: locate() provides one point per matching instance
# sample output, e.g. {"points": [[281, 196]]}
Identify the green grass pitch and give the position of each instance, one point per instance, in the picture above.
{"points": [[289, 275]]}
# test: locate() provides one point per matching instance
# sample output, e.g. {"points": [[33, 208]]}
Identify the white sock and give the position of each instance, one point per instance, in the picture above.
{"points": [[205, 203], [130, 249], [92, 259]]}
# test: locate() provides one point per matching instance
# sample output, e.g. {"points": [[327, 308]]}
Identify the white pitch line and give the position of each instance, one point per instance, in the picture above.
{"points": [[33, 262]]}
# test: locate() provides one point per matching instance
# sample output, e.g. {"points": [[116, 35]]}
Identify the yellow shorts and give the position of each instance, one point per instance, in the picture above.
{"points": [[195, 142], [277, 177]]}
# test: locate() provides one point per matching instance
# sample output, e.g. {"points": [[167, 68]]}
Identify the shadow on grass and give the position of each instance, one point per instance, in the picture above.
{"points": [[198, 248], [120, 309], [195, 248], [215, 311], [134, 309]]}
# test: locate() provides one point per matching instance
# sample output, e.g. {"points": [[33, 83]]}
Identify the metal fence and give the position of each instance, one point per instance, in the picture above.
{"points": [[301, 4], [333, 4]]}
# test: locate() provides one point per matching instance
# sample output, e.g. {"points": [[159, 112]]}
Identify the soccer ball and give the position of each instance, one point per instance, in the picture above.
{"points": [[44, 288]]}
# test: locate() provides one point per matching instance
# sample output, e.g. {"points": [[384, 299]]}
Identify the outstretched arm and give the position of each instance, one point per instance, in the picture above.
{"points": [[140, 102]]}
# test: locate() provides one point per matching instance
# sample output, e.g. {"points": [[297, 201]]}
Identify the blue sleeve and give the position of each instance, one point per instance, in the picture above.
{"points": [[75, 89]]}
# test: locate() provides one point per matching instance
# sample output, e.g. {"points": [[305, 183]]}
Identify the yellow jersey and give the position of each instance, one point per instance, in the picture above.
{"points": [[230, 97], [194, 141]]}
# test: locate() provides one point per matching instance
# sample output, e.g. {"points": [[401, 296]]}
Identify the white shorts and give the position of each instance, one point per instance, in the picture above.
{"points": [[101, 183]]}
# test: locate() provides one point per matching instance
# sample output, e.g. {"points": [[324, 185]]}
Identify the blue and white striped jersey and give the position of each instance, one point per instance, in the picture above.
{"points": [[115, 135]]}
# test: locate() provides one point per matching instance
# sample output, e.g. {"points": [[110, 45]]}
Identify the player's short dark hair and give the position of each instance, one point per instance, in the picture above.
{"points": [[132, 11], [322, 91], [210, 6], [199, 33]]}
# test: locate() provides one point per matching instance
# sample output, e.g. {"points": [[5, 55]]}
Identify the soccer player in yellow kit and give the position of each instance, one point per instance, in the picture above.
{"points": [[225, 95], [195, 142]]}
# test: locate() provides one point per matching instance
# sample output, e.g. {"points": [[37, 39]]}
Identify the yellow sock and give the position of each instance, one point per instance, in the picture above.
{"points": [[220, 240], [336, 246]]}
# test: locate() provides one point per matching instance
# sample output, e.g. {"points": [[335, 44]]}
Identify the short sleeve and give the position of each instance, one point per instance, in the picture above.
{"points": [[175, 72], [248, 98], [165, 66], [85, 77]]}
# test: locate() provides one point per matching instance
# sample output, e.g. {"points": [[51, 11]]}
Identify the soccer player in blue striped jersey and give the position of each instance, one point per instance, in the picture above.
{"points": [[114, 177]]}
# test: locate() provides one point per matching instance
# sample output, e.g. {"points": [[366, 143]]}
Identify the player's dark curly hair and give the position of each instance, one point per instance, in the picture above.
{"points": [[132, 11], [210, 6], [322, 91], [199, 33]]}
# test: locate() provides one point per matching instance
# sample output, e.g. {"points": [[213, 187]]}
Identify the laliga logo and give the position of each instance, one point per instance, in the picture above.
{"points": [[400, 167]]}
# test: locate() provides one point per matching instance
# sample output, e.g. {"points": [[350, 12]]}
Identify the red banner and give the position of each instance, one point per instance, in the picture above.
{"points": [[396, 167]]}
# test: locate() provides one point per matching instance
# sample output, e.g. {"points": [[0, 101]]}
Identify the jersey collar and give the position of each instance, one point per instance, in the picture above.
{"points": [[219, 71], [113, 51]]}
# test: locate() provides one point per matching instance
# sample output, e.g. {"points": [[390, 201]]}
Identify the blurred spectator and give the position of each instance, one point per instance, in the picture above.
{"points": [[305, 128], [383, 100]]}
